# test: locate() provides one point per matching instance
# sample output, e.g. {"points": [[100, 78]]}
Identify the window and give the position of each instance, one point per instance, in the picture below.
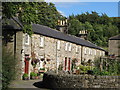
{"points": [[76, 48], [85, 50], [41, 41], [26, 39], [66, 46], [58, 45], [103, 53], [95, 52], [100, 53], [70, 47], [90, 51]]}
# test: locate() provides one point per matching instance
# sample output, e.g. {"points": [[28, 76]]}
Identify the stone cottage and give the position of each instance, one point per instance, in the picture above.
{"points": [[49, 47], [114, 45]]}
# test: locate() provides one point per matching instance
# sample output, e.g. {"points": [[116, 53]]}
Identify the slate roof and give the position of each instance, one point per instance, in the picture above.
{"points": [[46, 31], [117, 37]]}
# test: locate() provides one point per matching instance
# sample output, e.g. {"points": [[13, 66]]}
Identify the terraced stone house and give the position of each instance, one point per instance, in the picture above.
{"points": [[50, 47]]}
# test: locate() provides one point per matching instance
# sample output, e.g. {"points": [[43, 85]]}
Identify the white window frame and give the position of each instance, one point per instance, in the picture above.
{"points": [[100, 53], [89, 51], [95, 52], [27, 38], [77, 49], [85, 50], [66, 46], [70, 46], [41, 41], [58, 45]]}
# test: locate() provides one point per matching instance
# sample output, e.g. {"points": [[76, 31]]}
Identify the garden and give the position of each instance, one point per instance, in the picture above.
{"points": [[102, 66]]}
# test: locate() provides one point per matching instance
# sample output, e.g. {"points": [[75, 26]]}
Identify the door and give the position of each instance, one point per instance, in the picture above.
{"points": [[69, 64], [65, 64], [26, 66]]}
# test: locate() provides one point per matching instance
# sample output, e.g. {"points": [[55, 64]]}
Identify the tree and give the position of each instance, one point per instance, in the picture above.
{"points": [[32, 12], [100, 28], [74, 27]]}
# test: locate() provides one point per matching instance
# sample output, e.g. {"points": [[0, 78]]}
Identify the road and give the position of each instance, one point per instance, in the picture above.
{"points": [[30, 84]]}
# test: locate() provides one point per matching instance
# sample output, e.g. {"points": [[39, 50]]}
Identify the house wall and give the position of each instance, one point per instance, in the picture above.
{"points": [[50, 51], [114, 47]]}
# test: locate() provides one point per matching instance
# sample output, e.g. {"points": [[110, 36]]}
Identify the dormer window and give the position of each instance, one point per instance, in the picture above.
{"points": [[27, 39]]}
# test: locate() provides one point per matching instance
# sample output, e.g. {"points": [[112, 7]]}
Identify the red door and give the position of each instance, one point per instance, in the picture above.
{"points": [[65, 63], [26, 66], [69, 64]]}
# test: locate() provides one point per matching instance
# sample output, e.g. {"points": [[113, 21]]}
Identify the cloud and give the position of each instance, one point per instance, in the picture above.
{"points": [[62, 13]]}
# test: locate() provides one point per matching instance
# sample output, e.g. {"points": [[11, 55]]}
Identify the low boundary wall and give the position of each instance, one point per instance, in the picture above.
{"points": [[52, 80]]}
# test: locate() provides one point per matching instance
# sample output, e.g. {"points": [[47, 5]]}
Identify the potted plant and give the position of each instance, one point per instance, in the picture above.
{"points": [[25, 76], [33, 75], [42, 70]]}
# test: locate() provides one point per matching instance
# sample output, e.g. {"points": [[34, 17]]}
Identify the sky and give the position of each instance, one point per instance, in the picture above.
{"points": [[69, 8], [109, 7]]}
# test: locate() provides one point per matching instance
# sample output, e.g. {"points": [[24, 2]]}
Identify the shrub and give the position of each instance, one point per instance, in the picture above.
{"points": [[84, 69], [112, 68], [8, 67], [25, 75], [42, 68], [60, 67], [33, 74]]}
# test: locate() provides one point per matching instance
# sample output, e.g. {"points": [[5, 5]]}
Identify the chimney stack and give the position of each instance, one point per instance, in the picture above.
{"points": [[62, 26], [83, 34]]}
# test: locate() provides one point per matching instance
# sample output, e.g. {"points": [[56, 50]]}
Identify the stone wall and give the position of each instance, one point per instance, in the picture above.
{"points": [[50, 51], [52, 80], [114, 47]]}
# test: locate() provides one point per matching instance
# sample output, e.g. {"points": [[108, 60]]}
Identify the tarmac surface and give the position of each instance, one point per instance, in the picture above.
{"points": [[27, 84]]}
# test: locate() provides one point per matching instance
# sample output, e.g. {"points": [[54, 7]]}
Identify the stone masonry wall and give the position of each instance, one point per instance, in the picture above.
{"points": [[114, 47], [52, 80], [49, 51], [52, 55]]}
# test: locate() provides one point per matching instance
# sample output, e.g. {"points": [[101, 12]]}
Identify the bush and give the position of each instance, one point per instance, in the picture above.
{"points": [[25, 75], [113, 67], [42, 68], [84, 69], [33, 74], [8, 67]]}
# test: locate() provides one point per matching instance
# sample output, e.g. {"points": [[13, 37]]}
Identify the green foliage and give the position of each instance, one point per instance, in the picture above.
{"points": [[33, 74], [113, 67], [32, 12], [25, 75], [8, 67], [100, 28], [42, 68], [84, 69], [60, 67], [74, 61]]}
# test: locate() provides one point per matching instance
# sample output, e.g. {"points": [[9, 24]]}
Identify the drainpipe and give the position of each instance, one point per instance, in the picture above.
{"points": [[56, 59], [23, 54], [81, 52]]}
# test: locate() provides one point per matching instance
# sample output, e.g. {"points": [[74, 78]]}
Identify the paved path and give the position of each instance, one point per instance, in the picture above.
{"points": [[28, 84]]}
